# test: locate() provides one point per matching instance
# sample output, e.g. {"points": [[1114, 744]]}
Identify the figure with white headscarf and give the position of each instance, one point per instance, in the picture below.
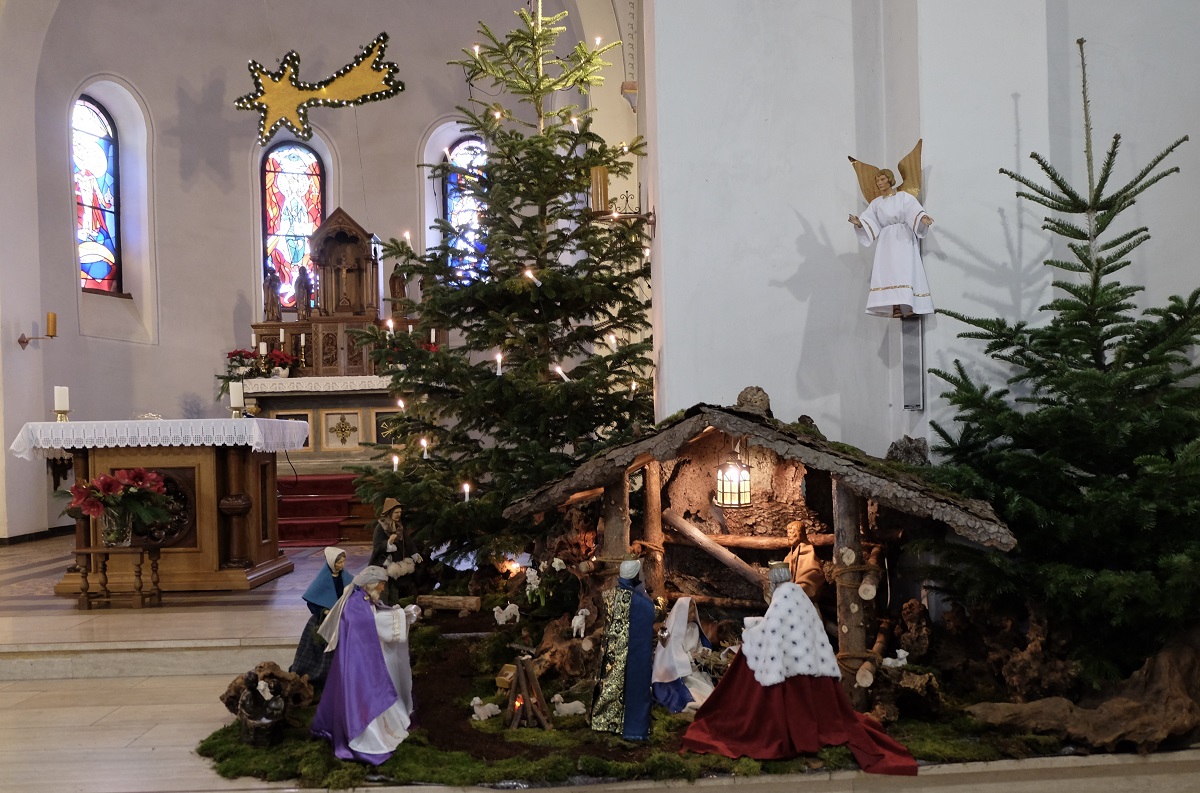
{"points": [[367, 705], [622, 701], [677, 684], [782, 695], [328, 585]]}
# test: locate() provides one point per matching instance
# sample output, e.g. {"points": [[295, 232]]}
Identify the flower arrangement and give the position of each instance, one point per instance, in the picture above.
{"points": [[131, 499]]}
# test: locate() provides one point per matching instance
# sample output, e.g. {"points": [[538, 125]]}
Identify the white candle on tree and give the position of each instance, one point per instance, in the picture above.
{"points": [[466, 491], [424, 449], [395, 463], [499, 361], [62, 398]]}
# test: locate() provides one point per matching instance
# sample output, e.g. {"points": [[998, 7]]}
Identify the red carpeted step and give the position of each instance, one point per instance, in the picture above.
{"points": [[293, 506], [316, 484], [310, 531]]}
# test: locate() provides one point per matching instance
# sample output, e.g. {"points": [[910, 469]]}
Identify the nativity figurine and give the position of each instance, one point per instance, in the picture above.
{"points": [[393, 550], [678, 684], [325, 590], [622, 701]]}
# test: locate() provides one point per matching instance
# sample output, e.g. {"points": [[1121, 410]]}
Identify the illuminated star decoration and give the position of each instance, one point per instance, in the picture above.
{"points": [[281, 98]]}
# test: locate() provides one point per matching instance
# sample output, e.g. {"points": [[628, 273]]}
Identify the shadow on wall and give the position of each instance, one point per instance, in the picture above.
{"points": [[206, 132]]}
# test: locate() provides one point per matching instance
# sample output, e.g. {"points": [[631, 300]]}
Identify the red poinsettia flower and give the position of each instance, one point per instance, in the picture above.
{"points": [[80, 494], [92, 508], [107, 485]]}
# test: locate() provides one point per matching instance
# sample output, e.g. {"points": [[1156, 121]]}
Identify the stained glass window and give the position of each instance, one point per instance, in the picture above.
{"points": [[293, 207], [463, 205], [97, 203]]}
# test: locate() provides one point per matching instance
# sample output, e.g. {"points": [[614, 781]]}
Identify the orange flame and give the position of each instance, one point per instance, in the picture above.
{"points": [[520, 701]]}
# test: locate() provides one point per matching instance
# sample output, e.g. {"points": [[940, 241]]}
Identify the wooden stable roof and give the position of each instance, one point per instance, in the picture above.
{"points": [[865, 476]]}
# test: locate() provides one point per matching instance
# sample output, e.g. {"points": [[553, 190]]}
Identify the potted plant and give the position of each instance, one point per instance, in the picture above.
{"points": [[127, 502], [239, 365], [281, 363]]}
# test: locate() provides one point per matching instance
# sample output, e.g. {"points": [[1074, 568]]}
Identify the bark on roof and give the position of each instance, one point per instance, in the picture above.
{"points": [[866, 476]]}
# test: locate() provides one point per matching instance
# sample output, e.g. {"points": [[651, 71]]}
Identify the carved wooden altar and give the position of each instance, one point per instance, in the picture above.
{"points": [[346, 298]]}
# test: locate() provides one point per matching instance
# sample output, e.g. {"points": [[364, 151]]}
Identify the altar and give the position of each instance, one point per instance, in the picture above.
{"points": [[220, 472]]}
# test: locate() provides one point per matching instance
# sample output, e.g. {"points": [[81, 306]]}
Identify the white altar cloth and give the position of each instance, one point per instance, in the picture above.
{"points": [[314, 385], [261, 435]]}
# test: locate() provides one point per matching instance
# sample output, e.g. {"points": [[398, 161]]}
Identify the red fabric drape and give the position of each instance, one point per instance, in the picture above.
{"points": [[797, 716]]}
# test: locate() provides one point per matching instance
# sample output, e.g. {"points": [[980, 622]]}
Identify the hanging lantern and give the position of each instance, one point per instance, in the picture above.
{"points": [[733, 482]]}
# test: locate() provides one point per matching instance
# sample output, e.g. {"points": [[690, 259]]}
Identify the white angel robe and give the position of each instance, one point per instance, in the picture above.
{"points": [[893, 224], [390, 728]]}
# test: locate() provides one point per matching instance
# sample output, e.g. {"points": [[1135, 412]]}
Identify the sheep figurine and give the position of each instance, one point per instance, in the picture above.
{"points": [[562, 708], [509, 612], [484, 710], [577, 623]]}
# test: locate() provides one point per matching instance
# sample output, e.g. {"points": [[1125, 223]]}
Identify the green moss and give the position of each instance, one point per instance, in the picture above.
{"points": [[837, 758]]}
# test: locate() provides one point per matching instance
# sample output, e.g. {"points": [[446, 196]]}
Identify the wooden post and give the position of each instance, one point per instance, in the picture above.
{"points": [[865, 677], [83, 524], [616, 518], [870, 580], [847, 552], [728, 558], [653, 530]]}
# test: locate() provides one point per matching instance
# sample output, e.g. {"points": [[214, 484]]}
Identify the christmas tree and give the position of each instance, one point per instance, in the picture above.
{"points": [[542, 303], [1091, 454]]}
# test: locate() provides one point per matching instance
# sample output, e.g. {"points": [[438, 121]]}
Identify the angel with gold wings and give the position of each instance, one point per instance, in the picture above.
{"points": [[896, 222]]}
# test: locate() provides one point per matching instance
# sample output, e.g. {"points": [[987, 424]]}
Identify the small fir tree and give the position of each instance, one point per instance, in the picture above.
{"points": [[555, 289], [1092, 456]]}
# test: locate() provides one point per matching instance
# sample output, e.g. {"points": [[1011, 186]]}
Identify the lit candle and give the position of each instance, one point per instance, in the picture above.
{"points": [[407, 237], [262, 348], [400, 404], [424, 449], [302, 341], [51, 324], [529, 274], [575, 123], [391, 328], [612, 341], [466, 491], [281, 339], [632, 388], [237, 398], [598, 40], [476, 48], [499, 360], [62, 398], [562, 374], [395, 463]]}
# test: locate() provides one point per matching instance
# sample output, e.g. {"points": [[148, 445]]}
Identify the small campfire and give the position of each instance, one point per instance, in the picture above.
{"points": [[526, 706]]}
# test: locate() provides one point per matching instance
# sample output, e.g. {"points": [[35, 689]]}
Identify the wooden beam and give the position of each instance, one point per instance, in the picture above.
{"points": [[641, 461], [615, 516], [432, 603], [652, 530], [721, 603], [734, 540], [865, 677], [870, 580], [847, 550], [582, 496], [728, 558]]}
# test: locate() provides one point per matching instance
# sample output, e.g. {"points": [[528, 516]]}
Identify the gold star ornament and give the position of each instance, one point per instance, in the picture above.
{"points": [[282, 98]]}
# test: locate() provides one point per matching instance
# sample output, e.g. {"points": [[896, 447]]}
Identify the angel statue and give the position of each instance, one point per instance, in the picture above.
{"points": [[896, 221]]}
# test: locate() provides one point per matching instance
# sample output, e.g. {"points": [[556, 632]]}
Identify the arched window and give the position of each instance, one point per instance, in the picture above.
{"points": [[293, 183], [97, 195], [462, 204]]}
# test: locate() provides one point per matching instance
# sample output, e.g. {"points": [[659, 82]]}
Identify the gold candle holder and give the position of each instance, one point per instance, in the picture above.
{"points": [[62, 416]]}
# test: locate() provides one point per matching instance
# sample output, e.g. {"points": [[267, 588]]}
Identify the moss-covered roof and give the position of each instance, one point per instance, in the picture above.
{"points": [[870, 477]]}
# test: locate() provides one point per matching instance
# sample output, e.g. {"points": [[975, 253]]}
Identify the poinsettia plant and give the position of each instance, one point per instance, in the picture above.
{"points": [[281, 360], [132, 493]]}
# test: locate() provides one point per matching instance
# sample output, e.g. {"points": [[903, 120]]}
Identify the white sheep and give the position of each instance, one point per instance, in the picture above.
{"points": [[577, 623], [509, 612], [484, 710], [562, 708]]}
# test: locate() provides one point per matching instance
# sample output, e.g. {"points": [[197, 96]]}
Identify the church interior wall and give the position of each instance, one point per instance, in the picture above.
{"points": [[750, 110]]}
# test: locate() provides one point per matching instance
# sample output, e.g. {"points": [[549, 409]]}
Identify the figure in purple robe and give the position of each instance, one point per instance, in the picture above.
{"points": [[366, 708]]}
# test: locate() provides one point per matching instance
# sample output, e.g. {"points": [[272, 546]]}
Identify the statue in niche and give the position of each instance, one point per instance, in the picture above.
{"points": [[272, 312], [896, 222]]}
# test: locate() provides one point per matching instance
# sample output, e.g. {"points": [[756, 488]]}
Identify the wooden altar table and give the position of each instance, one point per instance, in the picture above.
{"points": [[221, 472]]}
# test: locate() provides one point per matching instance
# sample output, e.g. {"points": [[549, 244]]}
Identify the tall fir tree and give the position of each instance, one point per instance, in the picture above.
{"points": [[1092, 454], [557, 291]]}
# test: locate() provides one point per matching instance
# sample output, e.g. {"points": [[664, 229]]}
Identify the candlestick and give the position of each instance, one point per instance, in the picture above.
{"points": [[424, 449], [237, 396], [499, 360], [262, 348], [395, 463], [62, 416], [62, 398], [466, 491]]}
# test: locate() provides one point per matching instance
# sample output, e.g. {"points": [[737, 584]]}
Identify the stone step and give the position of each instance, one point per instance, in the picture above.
{"points": [[151, 658]]}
